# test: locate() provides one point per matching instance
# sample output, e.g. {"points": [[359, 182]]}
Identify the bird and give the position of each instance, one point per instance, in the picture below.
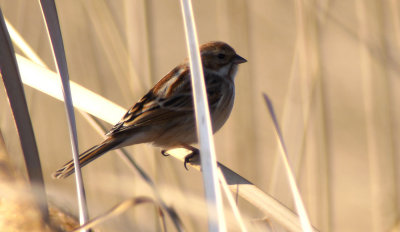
{"points": [[164, 116]]}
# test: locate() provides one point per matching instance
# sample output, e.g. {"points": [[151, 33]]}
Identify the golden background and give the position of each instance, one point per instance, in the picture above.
{"points": [[331, 69]]}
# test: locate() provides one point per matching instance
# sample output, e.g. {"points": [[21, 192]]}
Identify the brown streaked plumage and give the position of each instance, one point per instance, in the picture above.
{"points": [[165, 115]]}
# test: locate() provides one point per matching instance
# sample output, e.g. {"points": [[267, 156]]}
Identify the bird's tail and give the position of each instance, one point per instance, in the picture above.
{"points": [[86, 157]]}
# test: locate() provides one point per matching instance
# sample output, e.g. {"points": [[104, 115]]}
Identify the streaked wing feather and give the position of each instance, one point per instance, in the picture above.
{"points": [[171, 97], [165, 101], [145, 104]]}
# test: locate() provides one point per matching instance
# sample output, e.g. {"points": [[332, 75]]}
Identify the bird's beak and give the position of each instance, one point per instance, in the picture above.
{"points": [[238, 59]]}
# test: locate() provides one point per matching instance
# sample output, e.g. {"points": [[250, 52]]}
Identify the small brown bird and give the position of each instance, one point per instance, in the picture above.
{"points": [[165, 115]]}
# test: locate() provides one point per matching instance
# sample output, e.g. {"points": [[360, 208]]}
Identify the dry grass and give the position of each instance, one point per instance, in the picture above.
{"points": [[330, 67]]}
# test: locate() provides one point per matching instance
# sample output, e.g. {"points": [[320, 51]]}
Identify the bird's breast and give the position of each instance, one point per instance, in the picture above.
{"points": [[223, 109]]}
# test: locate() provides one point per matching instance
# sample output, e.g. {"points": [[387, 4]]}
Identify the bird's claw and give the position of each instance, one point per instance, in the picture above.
{"points": [[191, 158], [187, 160], [164, 153]]}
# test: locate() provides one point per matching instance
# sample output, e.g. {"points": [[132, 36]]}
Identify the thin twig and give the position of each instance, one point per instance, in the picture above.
{"points": [[305, 222], [119, 209], [231, 201]]}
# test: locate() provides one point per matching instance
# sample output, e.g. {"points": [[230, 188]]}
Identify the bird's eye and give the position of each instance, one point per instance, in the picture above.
{"points": [[221, 56]]}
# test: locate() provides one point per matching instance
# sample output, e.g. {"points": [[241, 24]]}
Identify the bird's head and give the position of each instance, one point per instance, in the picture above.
{"points": [[218, 56]]}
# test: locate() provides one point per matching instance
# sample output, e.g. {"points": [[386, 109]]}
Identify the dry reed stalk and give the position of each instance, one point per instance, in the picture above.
{"points": [[16, 97], [216, 220], [50, 16]]}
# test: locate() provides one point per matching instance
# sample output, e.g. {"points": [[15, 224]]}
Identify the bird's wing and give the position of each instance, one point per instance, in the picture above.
{"points": [[170, 98]]}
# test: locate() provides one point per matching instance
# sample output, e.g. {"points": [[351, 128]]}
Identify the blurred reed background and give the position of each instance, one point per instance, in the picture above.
{"points": [[330, 67]]}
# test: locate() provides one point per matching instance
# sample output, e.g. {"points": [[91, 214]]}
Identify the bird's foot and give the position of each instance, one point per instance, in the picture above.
{"points": [[193, 157]]}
